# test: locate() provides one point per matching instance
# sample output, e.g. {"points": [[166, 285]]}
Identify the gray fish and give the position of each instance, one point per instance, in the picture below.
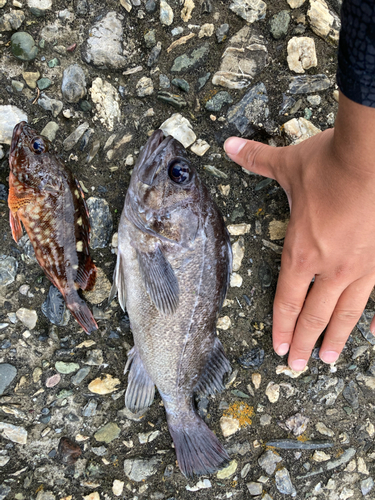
{"points": [[173, 265]]}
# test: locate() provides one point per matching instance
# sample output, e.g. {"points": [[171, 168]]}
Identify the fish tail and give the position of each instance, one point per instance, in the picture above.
{"points": [[197, 448], [81, 312]]}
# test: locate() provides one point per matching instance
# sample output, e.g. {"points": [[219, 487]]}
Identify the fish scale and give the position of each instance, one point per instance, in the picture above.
{"points": [[47, 199]]}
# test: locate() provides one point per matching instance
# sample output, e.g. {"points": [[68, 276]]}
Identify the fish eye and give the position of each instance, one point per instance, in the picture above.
{"points": [[38, 145], [179, 171]]}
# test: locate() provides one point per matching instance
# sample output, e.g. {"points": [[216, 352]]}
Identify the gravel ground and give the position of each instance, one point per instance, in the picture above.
{"points": [[98, 79]]}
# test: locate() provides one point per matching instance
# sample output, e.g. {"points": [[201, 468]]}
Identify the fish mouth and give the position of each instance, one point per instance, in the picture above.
{"points": [[18, 131], [157, 152]]}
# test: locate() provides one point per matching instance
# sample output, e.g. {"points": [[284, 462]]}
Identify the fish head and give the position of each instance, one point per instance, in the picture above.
{"points": [[165, 190], [29, 152]]}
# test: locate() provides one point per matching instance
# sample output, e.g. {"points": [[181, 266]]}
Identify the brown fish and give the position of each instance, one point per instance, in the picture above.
{"points": [[48, 200], [172, 273]]}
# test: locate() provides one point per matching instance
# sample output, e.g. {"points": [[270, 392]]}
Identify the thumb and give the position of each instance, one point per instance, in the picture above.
{"points": [[254, 156]]}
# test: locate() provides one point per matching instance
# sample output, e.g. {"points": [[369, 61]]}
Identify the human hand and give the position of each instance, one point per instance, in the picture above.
{"points": [[330, 183]]}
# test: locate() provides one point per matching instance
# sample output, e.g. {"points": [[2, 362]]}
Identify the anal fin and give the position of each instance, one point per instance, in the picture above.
{"points": [[141, 389], [118, 286], [15, 225], [211, 380]]}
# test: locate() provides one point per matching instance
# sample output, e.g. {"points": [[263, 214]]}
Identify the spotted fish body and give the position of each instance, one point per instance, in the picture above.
{"points": [[172, 273], [48, 200]]}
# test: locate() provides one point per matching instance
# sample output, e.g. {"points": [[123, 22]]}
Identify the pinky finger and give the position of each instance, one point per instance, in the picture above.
{"points": [[345, 316]]}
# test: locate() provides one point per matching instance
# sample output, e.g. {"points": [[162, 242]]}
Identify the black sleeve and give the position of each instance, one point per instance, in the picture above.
{"points": [[356, 57]]}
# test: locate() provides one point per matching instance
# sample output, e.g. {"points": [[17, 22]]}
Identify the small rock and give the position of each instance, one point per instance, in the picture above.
{"points": [[108, 433], [299, 129], [150, 39], [279, 24], [305, 84], [255, 488], [180, 128], [202, 484], [8, 269], [9, 117], [227, 471], [107, 103], [273, 392], [351, 395], [94, 358], [201, 82], [229, 426], [54, 380], [235, 280], [238, 251], [148, 437], [101, 289], [238, 229], [144, 87], [251, 110], [164, 82], [191, 60], [200, 147], [80, 375], [294, 4], [137, 469], [218, 101], [283, 482], [100, 221], [92, 496], [73, 85], [28, 317], [323, 429], [54, 308], [256, 379], [39, 4], [89, 410], [50, 131], [4, 491], [277, 229], [367, 485], [252, 359], [314, 100], [154, 55], [324, 22], [250, 10], [66, 368], [301, 54], [117, 487], [7, 374], [222, 32], [104, 386], [53, 105], [173, 99], [285, 370], [68, 451], [265, 275], [265, 420], [359, 351], [206, 30], [344, 458], [224, 323], [181, 84], [320, 456], [187, 10], [23, 46], [12, 20], [166, 13], [268, 461], [363, 325], [14, 433]]}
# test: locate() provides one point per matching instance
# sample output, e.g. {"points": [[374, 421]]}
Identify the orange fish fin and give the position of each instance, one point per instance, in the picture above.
{"points": [[81, 312], [15, 225], [86, 274]]}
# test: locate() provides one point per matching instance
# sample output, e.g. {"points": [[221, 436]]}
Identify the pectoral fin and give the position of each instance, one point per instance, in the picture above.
{"points": [[160, 280], [141, 389], [217, 365], [118, 286], [15, 225]]}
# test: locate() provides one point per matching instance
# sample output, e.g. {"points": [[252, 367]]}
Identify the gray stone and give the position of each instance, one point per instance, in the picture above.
{"points": [[154, 55], [350, 393], [150, 39], [100, 221], [164, 82], [94, 358], [73, 85], [251, 110], [255, 488], [144, 87], [150, 6], [201, 82], [367, 485], [4, 491], [166, 13], [44, 83], [45, 495], [14, 433], [40, 4], [279, 24], [89, 410], [191, 59], [138, 469], [23, 46], [100, 451], [250, 10], [53, 105], [80, 375], [218, 101], [363, 326], [343, 459], [104, 47], [283, 482], [82, 8], [12, 21], [50, 130], [268, 461], [222, 32], [66, 368], [8, 269], [54, 308], [75, 136], [181, 84], [174, 100], [9, 117], [305, 84], [296, 424], [28, 317], [7, 375], [108, 433]]}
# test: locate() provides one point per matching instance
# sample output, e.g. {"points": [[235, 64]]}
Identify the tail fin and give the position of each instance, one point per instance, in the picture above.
{"points": [[82, 313], [198, 450]]}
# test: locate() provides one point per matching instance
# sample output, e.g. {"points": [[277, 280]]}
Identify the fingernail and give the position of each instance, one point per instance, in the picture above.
{"points": [[298, 365], [233, 145], [329, 356], [282, 349]]}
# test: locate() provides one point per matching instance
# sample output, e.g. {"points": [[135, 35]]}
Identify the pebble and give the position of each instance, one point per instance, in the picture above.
{"points": [[8, 373], [68, 451], [367, 485], [138, 469], [363, 326], [144, 87], [314, 100], [173, 99], [246, 50], [251, 110], [104, 47], [104, 386], [50, 130], [202, 484], [39, 4], [320, 456], [324, 22], [306, 84], [73, 85], [187, 10], [250, 10], [189, 61], [117, 487], [323, 429], [252, 359], [148, 437], [8, 268], [238, 251], [284, 483], [256, 379], [224, 323], [273, 392], [94, 357], [215, 172], [268, 461], [235, 280], [54, 308], [48, 104], [9, 117], [166, 13], [107, 103], [23, 46], [28, 317], [206, 30], [12, 20], [301, 54], [277, 229], [154, 55], [228, 471], [92, 496], [255, 488], [279, 24], [238, 229], [54, 380], [66, 368], [108, 433], [181, 84], [14, 433], [344, 458], [100, 221], [229, 426], [285, 370], [218, 101], [4, 491], [351, 395], [164, 82], [299, 129], [89, 410], [294, 4], [180, 128], [222, 32], [200, 147]]}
